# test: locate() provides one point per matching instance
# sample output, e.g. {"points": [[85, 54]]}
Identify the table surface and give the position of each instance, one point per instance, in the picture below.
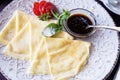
{"points": [[115, 17]]}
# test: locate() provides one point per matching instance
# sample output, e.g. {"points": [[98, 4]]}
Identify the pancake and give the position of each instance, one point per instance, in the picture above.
{"points": [[60, 57], [66, 57], [19, 45], [14, 25]]}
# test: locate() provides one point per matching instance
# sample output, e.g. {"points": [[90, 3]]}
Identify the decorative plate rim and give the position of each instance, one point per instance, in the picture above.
{"points": [[108, 74], [111, 70]]}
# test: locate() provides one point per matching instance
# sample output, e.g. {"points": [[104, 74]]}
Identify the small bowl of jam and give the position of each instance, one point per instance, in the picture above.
{"points": [[78, 22]]}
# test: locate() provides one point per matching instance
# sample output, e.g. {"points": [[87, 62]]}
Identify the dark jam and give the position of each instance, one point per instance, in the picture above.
{"points": [[78, 23]]}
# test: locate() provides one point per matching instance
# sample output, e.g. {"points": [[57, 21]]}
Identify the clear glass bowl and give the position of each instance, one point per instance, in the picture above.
{"points": [[85, 12]]}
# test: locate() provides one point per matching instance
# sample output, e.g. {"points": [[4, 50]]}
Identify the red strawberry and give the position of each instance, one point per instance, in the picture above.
{"points": [[43, 9]]}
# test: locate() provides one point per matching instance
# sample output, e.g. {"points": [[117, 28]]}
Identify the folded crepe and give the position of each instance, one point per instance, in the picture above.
{"points": [[66, 57], [39, 62], [8, 31], [62, 58], [19, 45], [15, 24]]}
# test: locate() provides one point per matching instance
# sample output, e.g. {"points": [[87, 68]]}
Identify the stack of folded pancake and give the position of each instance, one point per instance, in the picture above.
{"points": [[59, 55]]}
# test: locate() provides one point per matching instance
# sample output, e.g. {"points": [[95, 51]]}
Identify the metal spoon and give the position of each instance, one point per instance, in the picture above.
{"points": [[105, 27]]}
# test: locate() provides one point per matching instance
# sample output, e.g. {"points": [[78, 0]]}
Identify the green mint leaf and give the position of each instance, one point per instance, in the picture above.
{"points": [[55, 14], [65, 15], [51, 30]]}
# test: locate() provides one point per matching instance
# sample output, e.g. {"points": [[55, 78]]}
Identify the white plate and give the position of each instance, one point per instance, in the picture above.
{"points": [[104, 49], [117, 77]]}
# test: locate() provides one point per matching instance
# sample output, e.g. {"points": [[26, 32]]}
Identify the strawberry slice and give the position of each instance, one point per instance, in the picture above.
{"points": [[42, 3], [48, 6], [36, 8], [41, 7]]}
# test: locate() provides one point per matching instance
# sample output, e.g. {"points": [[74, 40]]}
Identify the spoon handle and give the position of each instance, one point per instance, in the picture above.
{"points": [[108, 27]]}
